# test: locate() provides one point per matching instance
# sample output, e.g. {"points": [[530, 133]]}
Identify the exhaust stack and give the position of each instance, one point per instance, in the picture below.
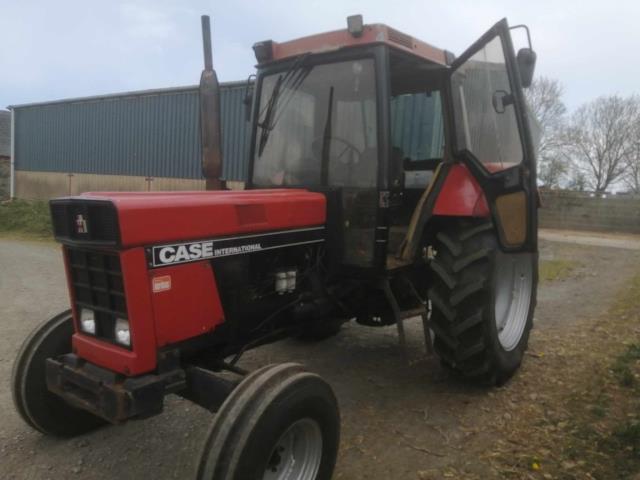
{"points": [[210, 136]]}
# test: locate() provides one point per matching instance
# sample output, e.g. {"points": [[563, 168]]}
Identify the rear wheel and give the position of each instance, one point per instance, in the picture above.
{"points": [[38, 407], [280, 423], [482, 302]]}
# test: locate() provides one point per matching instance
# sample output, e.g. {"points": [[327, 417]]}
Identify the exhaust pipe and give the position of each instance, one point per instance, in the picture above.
{"points": [[210, 136]]}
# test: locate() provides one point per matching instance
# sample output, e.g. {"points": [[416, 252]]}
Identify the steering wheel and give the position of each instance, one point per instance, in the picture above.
{"points": [[317, 143]]}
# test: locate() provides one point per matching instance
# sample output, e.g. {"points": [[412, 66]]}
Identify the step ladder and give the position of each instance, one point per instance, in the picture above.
{"points": [[401, 315]]}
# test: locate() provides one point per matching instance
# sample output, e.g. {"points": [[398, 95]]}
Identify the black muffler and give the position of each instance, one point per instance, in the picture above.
{"points": [[210, 130]]}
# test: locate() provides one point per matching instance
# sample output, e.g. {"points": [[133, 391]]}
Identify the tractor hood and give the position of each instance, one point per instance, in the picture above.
{"points": [[129, 219]]}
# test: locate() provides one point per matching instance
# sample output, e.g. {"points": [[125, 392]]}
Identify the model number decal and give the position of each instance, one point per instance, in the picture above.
{"points": [[162, 255]]}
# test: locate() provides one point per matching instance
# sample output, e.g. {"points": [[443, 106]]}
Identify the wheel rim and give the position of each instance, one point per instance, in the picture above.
{"points": [[297, 453], [513, 297]]}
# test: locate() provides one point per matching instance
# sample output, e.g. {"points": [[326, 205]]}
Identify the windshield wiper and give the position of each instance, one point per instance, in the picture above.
{"points": [[326, 141], [265, 125], [291, 81]]}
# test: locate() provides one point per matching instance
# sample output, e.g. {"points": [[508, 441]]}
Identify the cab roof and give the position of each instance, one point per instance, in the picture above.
{"points": [[270, 51]]}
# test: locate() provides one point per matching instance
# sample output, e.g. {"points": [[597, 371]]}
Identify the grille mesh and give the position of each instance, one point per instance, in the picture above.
{"points": [[96, 278]]}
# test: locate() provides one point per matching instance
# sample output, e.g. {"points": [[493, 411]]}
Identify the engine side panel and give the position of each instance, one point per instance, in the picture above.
{"points": [[185, 302]]}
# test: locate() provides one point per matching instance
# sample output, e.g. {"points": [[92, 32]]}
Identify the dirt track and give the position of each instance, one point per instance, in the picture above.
{"points": [[399, 420]]}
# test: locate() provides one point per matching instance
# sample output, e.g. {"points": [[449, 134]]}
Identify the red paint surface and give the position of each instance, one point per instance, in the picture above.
{"points": [[142, 357], [159, 217], [191, 307], [461, 195], [375, 33]]}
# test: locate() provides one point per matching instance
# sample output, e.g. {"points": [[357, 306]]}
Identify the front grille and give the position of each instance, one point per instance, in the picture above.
{"points": [[96, 279], [98, 219]]}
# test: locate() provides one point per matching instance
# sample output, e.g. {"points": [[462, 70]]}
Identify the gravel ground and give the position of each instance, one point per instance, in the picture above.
{"points": [[399, 418]]}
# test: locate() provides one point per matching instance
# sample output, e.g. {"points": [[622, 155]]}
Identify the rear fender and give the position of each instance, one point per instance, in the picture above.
{"points": [[454, 192], [461, 195]]}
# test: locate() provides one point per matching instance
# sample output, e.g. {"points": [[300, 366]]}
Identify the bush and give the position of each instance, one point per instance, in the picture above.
{"points": [[23, 217]]}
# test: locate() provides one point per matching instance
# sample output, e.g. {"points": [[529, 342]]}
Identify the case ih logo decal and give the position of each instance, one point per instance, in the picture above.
{"points": [[81, 224], [163, 255]]}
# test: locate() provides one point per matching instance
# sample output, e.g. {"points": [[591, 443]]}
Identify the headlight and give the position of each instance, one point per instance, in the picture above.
{"points": [[87, 321], [122, 333]]}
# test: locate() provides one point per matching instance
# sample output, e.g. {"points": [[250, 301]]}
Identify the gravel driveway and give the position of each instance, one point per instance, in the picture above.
{"points": [[398, 418]]}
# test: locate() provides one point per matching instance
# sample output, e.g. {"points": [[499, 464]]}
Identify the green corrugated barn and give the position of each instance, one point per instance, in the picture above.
{"points": [[149, 140]]}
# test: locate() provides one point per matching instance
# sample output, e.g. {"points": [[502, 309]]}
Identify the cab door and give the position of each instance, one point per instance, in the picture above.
{"points": [[492, 135]]}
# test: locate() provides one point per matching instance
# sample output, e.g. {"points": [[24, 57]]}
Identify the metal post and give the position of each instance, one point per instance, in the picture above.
{"points": [[12, 161]]}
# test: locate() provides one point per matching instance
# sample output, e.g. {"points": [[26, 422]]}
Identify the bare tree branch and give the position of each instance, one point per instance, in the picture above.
{"points": [[600, 138], [545, 103]]}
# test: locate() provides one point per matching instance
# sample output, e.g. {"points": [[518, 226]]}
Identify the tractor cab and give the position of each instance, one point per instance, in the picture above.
{"points": [[368, 115]]}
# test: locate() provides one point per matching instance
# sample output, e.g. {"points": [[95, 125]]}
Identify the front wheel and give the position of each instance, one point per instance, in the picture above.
{"points": [[280, 423], [38, 407], [482, 302]]}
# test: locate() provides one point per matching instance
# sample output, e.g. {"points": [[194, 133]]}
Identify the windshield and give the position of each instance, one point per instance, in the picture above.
{"points": [[317, 126]]}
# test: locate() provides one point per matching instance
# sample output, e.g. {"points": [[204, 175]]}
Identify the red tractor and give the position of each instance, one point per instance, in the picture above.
{"points": [[388, 180]]}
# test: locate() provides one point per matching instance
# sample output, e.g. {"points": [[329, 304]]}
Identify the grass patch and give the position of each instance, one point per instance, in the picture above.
{"points": [[629, 435], [584, 421], [23, 218], [556, 269], [623, 368], [600, 406]]}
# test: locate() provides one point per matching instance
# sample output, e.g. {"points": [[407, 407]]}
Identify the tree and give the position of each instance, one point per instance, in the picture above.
{"points": [[577, 181], [600, 138], [632, 177], [545, 103]]}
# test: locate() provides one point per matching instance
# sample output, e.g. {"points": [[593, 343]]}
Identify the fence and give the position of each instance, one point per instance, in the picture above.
{"points": [[582, 211]]}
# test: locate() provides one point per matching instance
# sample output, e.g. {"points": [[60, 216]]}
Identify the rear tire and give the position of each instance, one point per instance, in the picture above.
{"points": [[38, 407], [280, 423], [482, 302]]}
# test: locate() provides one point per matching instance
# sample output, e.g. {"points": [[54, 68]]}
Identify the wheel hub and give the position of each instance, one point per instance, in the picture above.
{"points": [[514, 286], [297, 453]]}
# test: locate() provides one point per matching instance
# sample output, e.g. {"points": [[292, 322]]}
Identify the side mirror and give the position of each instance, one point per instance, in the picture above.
{"points": [[526, 66]]}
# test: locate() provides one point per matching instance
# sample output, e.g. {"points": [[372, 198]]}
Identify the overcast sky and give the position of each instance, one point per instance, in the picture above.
{"points": [[65, 48]]}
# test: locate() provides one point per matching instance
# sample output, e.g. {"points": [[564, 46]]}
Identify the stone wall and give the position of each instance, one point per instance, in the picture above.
{"points": [[581, 211]]}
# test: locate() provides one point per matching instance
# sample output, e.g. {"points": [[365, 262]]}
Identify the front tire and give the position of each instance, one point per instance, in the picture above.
{"points": [[280, 423], [38, 407], [482, 302]]}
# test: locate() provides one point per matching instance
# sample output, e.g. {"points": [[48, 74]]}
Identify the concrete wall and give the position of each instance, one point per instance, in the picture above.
{"points": [[46, 185], [579, 211]]}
